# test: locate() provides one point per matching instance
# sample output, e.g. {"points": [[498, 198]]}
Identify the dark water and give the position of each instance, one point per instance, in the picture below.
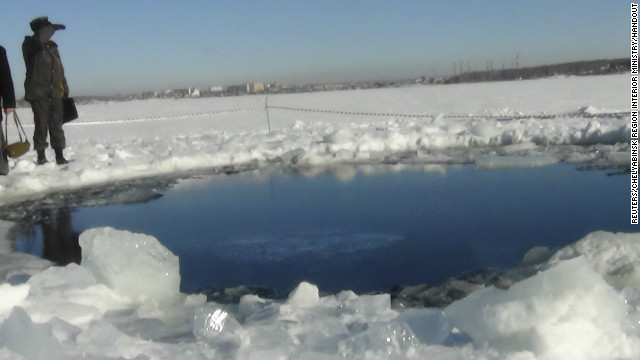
{"points": [[365, 229]]}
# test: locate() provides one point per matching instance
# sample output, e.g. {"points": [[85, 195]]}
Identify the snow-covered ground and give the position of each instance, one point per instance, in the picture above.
{"points": [[117, 141], [123, 301]]}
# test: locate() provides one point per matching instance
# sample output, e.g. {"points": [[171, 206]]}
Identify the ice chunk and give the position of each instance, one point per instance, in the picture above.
{"points": [[341, 136], [305, 295], [252, 308], [272, 339], [615, 256], [6, 354], [11, 296], [592, 130], [215, 325], [619, 158], [63, 331], [102, 340], [57, 292], [632, 322], [293, 157], [57, 278], [393, 339], [133, 265], [429, 325], [485, 129], [319, 333], [367, 307], [32, 341], [536, 255], [566, 312], [266, 354]]}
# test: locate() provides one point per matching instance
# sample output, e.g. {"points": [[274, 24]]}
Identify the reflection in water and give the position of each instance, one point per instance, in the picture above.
{"points": [[59, 243]]}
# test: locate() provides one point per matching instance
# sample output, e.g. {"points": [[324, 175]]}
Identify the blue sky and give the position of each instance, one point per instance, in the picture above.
{"points": [[124, 46]]}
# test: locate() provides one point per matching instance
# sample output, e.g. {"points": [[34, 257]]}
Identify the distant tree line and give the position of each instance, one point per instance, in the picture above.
{"points": [[578, 68]]}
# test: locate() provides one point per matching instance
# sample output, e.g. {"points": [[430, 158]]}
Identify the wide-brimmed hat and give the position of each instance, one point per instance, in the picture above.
{"points": [[43, 21]]}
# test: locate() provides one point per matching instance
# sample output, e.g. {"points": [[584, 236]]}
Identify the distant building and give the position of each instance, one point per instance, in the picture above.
{"points": [[255, 87], [235, 90]]}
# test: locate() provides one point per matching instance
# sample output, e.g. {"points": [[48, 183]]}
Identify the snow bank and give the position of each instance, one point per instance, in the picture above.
{"points": [[565, 311]]}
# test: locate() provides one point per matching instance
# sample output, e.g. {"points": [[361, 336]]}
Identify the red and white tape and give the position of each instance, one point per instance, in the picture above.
{"points": [[458, 116], [341, 112]]}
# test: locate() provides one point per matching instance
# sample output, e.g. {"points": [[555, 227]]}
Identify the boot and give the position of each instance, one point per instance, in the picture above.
{"points": [[60, 160], [42, 159]]}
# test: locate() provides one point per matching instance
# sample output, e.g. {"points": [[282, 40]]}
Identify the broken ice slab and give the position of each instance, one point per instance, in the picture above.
{"points": [[507, 162]]}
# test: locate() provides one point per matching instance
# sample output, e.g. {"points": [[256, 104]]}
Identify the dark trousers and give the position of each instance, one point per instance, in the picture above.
{"points": [[47, 118]]}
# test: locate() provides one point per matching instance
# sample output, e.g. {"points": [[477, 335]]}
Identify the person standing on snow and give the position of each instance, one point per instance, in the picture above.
{"points": [[8, 97], [45, 86]]}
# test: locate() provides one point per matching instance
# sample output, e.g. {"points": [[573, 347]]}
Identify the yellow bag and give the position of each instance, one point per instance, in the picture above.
{"points": [[21, 147], [18, 149]]}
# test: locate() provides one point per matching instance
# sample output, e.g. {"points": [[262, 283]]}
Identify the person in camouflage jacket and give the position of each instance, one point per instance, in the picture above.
{"points": [[45, 86]]}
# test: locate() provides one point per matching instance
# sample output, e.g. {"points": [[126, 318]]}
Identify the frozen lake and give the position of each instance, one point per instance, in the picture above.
{"points": [[305, 216], [361, 228]]}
